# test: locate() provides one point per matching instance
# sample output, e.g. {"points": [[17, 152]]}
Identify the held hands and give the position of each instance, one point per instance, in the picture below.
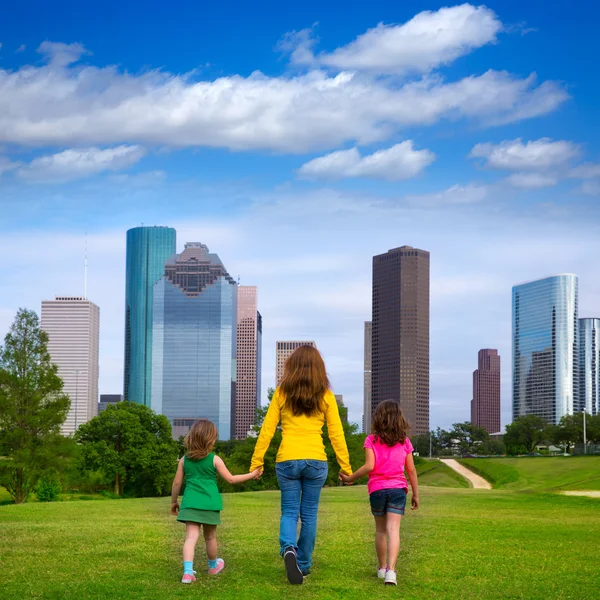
{"points": [[345, 478], [175, 508], [415, 502], [257, 473]]}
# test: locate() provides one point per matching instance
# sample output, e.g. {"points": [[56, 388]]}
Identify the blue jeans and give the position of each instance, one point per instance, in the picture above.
{"points": [[301, 482]]}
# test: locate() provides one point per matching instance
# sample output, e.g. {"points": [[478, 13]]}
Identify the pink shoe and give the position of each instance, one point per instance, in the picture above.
{"points": [[188, 578], [220, 566]]}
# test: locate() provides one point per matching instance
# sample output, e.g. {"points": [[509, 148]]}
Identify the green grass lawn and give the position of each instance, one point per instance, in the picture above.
{"points": [[539, 473], [462, 543], [437, 474]]}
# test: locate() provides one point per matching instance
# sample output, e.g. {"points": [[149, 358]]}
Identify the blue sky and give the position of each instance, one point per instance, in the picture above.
{"points": [[297, 141]]}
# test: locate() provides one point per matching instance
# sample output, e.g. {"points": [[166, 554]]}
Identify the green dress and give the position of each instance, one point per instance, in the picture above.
{"points": [[201, 501]]}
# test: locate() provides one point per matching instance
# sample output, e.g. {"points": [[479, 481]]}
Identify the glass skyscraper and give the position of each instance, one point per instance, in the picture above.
{"points": [[589, 365], [194, 331], [545, 348], [148, 249]]}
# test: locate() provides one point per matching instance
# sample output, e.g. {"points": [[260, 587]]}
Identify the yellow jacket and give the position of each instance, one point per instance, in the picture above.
{"points": [[302, 437]]}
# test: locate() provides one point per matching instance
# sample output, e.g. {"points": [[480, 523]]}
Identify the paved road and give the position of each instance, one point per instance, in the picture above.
{"points": [[590, 494], [478, 482]]}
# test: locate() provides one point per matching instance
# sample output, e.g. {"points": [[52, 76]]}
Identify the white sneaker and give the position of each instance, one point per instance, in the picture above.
{"points": [[390, 578], [381, 573]]}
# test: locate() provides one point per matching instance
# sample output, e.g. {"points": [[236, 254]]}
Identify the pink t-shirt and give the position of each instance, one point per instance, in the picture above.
{"points": [[389, 465]]}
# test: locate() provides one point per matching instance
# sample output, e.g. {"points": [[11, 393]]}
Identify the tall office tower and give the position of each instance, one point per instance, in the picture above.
{"points": [[148, 249], [400, 359], [367, 377], [545, 348], [194, 341], [73, 327], [485, 406], [107, 400], [249, 340], [284, 349], [589, 366]]}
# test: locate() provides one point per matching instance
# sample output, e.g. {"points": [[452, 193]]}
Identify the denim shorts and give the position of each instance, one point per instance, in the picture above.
{"points": [[392, 500]]}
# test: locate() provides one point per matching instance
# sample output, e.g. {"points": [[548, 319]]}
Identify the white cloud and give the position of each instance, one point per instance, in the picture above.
{"points": [[21, 48], [455, 195], [428, 40], [531, 181], [401, 161], [590, 188], [62, 104], [586, 171], [7, 165], [534, 155], [58, 54], [78, 163]]}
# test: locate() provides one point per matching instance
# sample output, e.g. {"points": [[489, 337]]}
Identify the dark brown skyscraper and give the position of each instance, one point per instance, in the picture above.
{"points": [[400, 360], [485, 406]]}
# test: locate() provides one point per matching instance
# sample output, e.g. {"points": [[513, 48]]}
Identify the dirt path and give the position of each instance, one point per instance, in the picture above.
{"points": [[478, 482], [590, 494]]}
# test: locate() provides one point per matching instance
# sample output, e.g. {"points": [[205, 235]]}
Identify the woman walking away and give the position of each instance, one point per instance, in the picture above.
{"points": [[303, 403], [202, 504], [388, 454]]}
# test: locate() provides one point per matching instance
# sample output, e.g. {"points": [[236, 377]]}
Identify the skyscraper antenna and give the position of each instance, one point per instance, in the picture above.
{"points": [[85, 268]]}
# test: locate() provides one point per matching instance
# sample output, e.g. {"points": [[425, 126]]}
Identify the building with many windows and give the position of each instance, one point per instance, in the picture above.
{"points": [[148, 249], [107, 400], [249, 342], [367, 377], [194, 331], [400, 333], [485, 405], [589, 366], [73, 327], [546, 347], [284, 349]]}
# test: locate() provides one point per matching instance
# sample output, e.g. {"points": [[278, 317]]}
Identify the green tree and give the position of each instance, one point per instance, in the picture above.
{"points": [[525, 433], [32, 408], [468, 438], [132, 446], [593, 428]]}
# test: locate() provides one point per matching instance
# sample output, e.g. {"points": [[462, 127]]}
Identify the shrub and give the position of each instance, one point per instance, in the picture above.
{"points": [[48, 489]]}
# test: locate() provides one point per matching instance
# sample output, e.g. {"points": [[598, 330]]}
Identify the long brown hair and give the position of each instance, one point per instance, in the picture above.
{"points": [[389, 425], [305, 381], [200, 439]]}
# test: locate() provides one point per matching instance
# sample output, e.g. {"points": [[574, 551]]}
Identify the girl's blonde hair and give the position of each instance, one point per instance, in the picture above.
{"points": [[200, 439], [389, 425]]}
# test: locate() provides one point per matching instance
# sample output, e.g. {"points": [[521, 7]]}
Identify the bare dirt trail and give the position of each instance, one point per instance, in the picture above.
{"points": [[590, 494], [478, 482]]}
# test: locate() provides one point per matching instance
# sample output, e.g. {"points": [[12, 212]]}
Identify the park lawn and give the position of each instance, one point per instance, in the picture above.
{"points": [[462, 543], [436, 474], [539, 473]]}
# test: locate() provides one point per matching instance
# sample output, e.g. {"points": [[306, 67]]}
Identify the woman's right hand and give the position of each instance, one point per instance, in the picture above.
{"points": [[345, 478]]}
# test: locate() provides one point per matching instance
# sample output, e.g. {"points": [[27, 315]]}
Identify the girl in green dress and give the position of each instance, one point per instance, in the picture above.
{"points": [[202, 504]]}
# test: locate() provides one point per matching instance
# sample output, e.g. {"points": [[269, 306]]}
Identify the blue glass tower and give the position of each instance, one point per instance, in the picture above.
{"points": [[148, 249], [589, 365], [545, 348], [194, 342]]}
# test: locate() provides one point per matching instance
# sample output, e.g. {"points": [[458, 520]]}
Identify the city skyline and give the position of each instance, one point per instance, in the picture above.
{"points": [[299, 159], [487, 399]]}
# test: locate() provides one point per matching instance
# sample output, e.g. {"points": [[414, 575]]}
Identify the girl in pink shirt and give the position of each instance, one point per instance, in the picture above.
{"points": [[388, 453]]}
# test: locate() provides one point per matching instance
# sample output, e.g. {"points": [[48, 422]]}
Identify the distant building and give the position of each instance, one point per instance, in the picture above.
{"points": [[194, 339], [284, 349], [73, 327], [589, 366], [339, 398], [108, 399], [148, 249], [249, 342], [367, 391], [485, 406], [400, 335], [546, 348]]}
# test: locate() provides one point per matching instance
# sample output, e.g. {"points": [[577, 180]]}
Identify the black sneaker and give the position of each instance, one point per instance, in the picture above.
{"points": [[294, 574], [306, 573]]}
